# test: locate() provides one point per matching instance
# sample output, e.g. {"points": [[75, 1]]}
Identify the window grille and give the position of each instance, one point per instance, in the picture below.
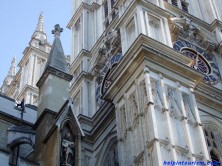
{"points": [[105, 9], [174, 2], [112, 3], [184, 6]]}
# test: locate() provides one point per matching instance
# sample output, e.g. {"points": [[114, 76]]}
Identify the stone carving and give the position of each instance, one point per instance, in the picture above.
{"points": [[111, 46], [184, 27], [172, 100], [133, 109], [57, 30], [188, 108], [215, 96], [67, 151], [158, 101], [143, 98]]}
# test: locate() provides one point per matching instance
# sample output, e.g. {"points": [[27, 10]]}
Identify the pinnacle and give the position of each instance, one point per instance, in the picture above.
{"points": [[12, 70], [40, 25]]}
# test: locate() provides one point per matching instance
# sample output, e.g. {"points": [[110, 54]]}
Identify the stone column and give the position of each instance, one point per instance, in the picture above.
{"points": [[34, 81], [140, 127], [120, 141], [85, 98], [199, 127], [141, 23], [152, 119], [30, 70], [167, 115], [184, 121]]}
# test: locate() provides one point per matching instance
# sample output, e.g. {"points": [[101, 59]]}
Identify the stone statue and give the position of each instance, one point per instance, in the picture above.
{"points": [[67, 151]]}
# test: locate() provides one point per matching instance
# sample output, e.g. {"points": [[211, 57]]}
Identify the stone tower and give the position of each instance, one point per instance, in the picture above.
{"points": [[54, 83], [149, 72], [23, 85], [33, 63], [53, 93]]}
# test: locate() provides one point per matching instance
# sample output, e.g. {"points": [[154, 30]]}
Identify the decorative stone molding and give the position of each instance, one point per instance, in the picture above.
{"points": [[209, 94], [219, 48], [111, 46], [139, 159], [53, 71], [184, 27]]}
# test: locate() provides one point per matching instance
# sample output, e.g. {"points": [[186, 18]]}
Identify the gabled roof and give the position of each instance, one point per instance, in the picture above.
{"points": [[66, 112]]}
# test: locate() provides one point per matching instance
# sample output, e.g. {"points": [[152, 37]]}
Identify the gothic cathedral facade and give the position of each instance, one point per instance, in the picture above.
{"points": [[141, 87]]}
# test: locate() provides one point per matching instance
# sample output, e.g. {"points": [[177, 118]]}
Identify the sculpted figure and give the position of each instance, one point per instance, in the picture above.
{"points": [[67, 150]]}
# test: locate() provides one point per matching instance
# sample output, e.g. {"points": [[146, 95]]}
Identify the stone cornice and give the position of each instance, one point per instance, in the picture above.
{"points": [[13, 120], [159, 57], [104, 116], [47, 43], [27, 53], [53, 71], [25, 89], [197, 21], [209, 95], [144, 3]]}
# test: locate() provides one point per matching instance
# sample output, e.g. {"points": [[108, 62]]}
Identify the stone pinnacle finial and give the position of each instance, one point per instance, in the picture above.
{"points": [[57, 30], [40, 25], [12, 70]]}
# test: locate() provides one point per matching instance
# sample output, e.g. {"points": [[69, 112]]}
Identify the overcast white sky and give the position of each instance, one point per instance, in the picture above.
{"points": [[18, 20]]}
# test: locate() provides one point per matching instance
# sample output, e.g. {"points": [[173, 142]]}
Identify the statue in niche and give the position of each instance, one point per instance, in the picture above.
{"points": [[67, 154]]}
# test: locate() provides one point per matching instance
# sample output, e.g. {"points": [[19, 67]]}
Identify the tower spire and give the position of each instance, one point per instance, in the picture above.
{"points": [[56, 62], [12, 70], [40, 25]]}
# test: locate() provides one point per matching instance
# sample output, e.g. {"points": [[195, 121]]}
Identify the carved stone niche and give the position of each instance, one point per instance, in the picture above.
{"points": [[183, 27]]}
